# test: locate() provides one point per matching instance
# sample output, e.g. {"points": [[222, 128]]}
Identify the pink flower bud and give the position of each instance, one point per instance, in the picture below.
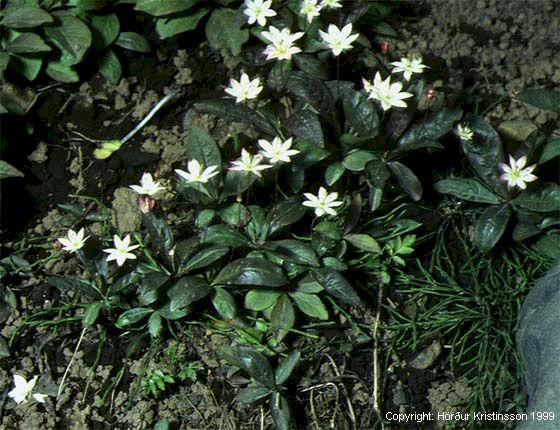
{"points": [[384, 47], [146, 204]]}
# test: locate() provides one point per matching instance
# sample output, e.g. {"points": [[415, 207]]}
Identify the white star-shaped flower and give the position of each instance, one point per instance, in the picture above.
{"points": [[323, 202], [249, 163], [147, 186], [244, 89], [22, 390], [311, 9], [408, 67], [196, 174], [331, 4], [258, 11], [121, 251], [515, 174], [277, 150], [281, 44], [74, 241], [389, 94], [464, 132], [339, 40]]}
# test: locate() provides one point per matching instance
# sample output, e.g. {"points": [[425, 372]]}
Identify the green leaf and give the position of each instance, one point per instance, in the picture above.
{"points": [[312, 66], [549, 246], [360, 113], [336, 285], [431, 128], [282, 316], [88, 5], [356, 160], [550, 151], [167, 7], [236, 215], [280, 411], [154, 324], [363, 242], [29, 67], [377, 172], [224, 303], [224, 235], [286, 367], [333, 173], [223, 31], [467, 189], [169, 27], [406, 179], [133, 41], [237, 182], [132, 316], [312, 91], [91, 314], [187, 290], [70, 35], [4, 349], [256, 365], [544, 200], [230, 111], [162, 424], [110, 66], [490, 226], [66, 284], [25, 17], [205, 258], [283, 215], [105, 30], [9, 171], [252, 394], [311, 305], [27, 43], [541, 98], [251, 271], [295, 251], [259, 300], [160, 233], [61, 72], [485, 153], [278, 75], [305, 125]]}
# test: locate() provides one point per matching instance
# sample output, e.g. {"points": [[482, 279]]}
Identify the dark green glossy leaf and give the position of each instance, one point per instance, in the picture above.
{"points": [[485, 153], [230, 111], [363, 242], [27, 43], [312, 91], [91, 314], [251, 271], [161, 236], [252, 394], [282, 316], [356, 160], [204, 258], [61, 72], [305, 125], [225, 235], [550, 151], [377, 172], [223, 31], [202, 147], [169, 27], [71, 35], [431, 128], [187, 290], [236, 215], [541, 98], [29, 67], [8, 171], [161, 8], [406, 179], [311, 305], [312, 66], [286, 367], [133, 41], [295, 251], [259, 300], [336, 285], [132, 316], [66, 284], [105, 30], [280, 411], [490, 226], [256, 365], [360, 113], [224, 303], [544, 200], [24, 17], [283, 215], [154, 324], [467, 189], [110, 66], [549, 246], [333, 173]]}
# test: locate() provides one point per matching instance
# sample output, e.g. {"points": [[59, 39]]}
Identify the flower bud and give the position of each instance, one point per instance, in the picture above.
{"points": [[384, 47], [146, 204], [431, 94]]}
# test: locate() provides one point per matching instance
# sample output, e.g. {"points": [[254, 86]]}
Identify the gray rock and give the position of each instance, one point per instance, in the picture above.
{"points": [[538, 341]]}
